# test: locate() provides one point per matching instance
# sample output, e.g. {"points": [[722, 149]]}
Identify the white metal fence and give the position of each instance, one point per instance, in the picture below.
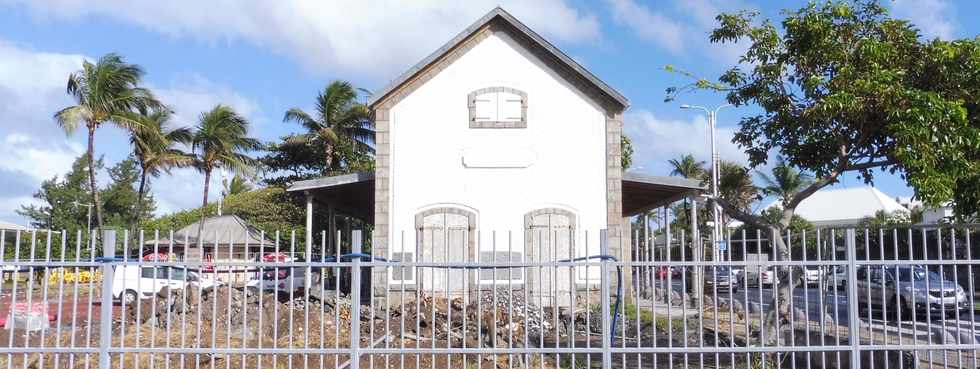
{"points": [[884, 298]]}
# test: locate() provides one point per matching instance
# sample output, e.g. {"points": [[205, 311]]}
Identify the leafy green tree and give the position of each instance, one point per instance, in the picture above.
{"points": [[221, 141], [63, 200], [845, 88], [122, 199], [339, 121], [104, 92], [883, 219], [156, 147], [270, 209], [626, 147]]}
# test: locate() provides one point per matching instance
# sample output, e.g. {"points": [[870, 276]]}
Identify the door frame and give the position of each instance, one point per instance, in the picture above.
{"points": [[469, 256]]}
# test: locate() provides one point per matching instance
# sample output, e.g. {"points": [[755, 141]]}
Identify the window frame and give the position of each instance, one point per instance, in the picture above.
{"points": [[471, 104]]}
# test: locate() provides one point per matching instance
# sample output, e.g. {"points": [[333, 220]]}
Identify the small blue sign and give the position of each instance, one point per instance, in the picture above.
{"points": [[723, 246]]}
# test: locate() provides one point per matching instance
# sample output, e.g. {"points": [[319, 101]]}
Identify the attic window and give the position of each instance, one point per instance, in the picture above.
{"points": [[498, 107]]}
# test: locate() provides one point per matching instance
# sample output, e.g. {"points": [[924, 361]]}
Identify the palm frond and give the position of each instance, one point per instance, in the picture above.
{"points": [[299, 116], [70, 118]]}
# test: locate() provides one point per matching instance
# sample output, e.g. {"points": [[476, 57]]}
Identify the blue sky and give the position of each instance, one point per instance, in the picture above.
{"points": [[265, 58]]}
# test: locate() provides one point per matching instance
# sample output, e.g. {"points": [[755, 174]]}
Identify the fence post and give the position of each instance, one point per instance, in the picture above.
{"points": [[105, 308], [355, 310], [604, 302], [854, 332]]}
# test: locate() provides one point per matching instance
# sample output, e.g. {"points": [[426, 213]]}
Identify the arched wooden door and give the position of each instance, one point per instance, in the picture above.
{"points": [[445, 235], [549, 237]]}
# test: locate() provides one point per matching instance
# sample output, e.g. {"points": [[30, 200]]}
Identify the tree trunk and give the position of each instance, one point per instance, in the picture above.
{"points": [[138, 210], [204, 204], [329, 157], [784, 293], [91, 180]]}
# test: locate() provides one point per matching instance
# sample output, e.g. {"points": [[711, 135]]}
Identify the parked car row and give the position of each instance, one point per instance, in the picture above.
{"points": [[132, 282], [904, 291]]}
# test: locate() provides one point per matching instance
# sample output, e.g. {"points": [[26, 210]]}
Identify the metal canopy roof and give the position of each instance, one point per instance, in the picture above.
{"points": [[353, 193], [498, 13], [643, 192]]}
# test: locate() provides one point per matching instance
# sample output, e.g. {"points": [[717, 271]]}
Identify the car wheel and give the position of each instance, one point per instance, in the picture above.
{"points": [[129, 297]]}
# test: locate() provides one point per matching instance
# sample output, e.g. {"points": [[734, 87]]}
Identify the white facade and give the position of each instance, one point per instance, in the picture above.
{"points": [[498, 174]]}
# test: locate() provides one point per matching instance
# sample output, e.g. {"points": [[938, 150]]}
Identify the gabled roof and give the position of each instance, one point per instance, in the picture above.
{"points": [[219, 230], [508, 19]]}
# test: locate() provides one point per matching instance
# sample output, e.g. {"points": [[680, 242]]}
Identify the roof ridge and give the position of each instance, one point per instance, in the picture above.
{"points": [[498, 11]]}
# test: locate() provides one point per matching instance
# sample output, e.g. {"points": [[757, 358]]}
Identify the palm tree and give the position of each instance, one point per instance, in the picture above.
{"points": [[688, 167], [221, 141], [104, 92], [155, 146], [238, 185], [339, 118], [735, 186], [785, 182]]}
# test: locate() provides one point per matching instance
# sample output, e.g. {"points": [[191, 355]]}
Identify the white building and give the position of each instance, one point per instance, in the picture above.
{"points": [[495, 146]]}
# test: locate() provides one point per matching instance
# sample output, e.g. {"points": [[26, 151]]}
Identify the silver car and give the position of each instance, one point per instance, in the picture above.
{"points": [[914, 289], [721, 278]]}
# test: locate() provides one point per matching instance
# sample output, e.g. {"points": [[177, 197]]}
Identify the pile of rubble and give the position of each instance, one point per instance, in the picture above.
{"points": [[492, 319]]}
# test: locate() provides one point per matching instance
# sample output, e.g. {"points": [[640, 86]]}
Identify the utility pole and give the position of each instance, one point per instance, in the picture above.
{"points": [[716, 229]]}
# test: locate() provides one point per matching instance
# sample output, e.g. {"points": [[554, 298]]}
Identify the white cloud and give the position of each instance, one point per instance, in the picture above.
{"points": [[191, 98], [935, 18], [352, 35], [33, 148], [182, 189], [656, 140], [681, 29], [650, 25], [37, 159]]}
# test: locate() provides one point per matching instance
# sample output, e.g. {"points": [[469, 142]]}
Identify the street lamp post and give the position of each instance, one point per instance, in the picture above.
{"points": [[715, 163], [89, 208]]}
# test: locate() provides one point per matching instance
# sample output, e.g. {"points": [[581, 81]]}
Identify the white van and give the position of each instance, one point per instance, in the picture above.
{"points": [[130, 282]]}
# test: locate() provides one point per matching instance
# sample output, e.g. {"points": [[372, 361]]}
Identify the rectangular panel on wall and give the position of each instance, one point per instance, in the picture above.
{"points": [[502, 274], [400, 273]]}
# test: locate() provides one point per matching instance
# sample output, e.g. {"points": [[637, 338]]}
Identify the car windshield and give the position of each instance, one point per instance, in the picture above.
{"points": [[177, 273], [917, 275]]}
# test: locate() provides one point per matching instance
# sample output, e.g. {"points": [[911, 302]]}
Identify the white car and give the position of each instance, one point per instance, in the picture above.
{"points": [[764, 277], [282, 279], [835, 278], [131, 282]]}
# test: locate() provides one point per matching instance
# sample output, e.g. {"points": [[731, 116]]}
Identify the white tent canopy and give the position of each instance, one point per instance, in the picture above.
{"points": [[841, 206], [8, 226]]}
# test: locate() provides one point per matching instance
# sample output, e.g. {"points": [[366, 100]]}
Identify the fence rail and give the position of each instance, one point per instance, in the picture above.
{"points": [[845, 298]]}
